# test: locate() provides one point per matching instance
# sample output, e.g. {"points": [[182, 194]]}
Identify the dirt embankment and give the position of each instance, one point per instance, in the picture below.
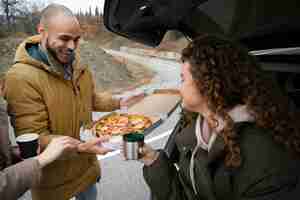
{"points": [[8, 48], [114, 74]]}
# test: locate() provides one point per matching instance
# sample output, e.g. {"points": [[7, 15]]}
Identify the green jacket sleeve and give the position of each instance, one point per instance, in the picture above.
{"points": [[272, 187], [268, 172], [163, 179]]}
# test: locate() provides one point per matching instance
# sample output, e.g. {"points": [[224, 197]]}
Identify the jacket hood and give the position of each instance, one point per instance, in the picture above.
{"points": [[22, 56]]}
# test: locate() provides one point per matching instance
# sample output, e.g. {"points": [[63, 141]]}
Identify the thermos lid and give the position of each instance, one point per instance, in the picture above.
{"points": [[133, 137]]}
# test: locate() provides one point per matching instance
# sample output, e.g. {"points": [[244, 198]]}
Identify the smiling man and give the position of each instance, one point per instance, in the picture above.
{"points": [[60, 33], [51, 93]]}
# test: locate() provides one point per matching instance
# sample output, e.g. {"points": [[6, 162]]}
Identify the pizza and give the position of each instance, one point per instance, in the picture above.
{"points": [[121, 123]]}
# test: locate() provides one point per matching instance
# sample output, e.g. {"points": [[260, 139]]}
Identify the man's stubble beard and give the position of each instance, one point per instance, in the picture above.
{"points": [[52, 51]]}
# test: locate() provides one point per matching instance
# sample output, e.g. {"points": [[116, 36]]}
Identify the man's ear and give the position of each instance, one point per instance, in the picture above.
{"points": [[40, 28]]}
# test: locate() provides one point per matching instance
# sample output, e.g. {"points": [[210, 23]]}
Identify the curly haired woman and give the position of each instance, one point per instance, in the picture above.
{"points": [[243, 143]]}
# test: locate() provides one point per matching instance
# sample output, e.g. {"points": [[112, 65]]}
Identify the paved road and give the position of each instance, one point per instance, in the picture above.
{"points": [[123, 179], [167, 71]]}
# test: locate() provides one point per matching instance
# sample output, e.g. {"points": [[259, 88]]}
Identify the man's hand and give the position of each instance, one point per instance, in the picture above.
{"points": [[94, 146], [130, 101]]}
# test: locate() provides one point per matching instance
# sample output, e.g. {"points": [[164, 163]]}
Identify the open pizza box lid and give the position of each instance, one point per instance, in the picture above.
{"points": [[157, 106]]}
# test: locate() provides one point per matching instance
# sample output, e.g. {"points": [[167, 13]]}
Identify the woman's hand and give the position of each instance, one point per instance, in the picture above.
{"points": [[56, 148], [149, 155], [94, 146]]}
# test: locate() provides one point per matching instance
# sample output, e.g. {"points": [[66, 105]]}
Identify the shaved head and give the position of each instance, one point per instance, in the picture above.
{"points": [[53, 11]]}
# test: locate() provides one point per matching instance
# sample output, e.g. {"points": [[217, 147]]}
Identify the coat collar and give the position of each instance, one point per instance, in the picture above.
{"points": [[218, 148], [187, 141], [238, 114], [216, 151]]}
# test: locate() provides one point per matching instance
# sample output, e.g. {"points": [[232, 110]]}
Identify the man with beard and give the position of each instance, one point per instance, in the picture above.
{"points": [[51, 93]]}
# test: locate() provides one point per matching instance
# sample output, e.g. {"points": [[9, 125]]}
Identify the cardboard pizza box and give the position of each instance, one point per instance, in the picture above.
{"points": [[157, 104]]}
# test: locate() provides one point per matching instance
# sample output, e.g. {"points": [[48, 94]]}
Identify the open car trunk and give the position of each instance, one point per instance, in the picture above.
{"points": [[269, 29]]}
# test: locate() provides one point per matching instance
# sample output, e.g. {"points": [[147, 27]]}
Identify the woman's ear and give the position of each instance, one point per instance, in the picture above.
{"points": [[213, 121]]}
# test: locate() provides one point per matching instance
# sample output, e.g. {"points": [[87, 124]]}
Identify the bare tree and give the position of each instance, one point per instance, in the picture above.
{"points": [[23, 15], [8, 8], [90, 11], [97, 14], [29, 14]]}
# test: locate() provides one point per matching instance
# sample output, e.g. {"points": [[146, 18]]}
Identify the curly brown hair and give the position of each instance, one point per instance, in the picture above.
{"points": [[227, 76]]}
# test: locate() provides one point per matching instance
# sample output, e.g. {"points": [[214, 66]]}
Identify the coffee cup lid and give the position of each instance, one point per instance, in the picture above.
{"points": [[27, 137], [133, 137]]}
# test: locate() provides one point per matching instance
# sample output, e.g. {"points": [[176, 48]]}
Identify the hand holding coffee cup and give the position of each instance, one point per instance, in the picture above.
{"points": [[148, 155], [28, 144]]}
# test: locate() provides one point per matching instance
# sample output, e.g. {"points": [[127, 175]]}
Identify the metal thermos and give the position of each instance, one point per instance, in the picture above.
{"points": [[132, 144]]}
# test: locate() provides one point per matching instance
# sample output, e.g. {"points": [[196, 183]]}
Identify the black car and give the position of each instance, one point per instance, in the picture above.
{"points": [[269, 29]]}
